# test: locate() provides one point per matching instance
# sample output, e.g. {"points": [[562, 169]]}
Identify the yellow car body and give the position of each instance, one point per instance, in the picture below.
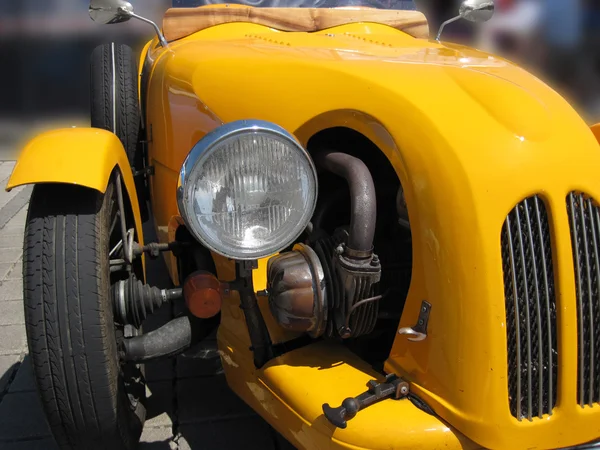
{"points": [[469, 135]]}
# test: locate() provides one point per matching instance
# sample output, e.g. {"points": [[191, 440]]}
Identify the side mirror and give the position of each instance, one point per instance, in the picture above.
{"points": [[117, 11], [110, 11], [477, 11]]}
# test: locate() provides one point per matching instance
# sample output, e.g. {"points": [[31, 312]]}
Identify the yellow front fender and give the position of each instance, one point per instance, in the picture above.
{"points": [[80, 156]]}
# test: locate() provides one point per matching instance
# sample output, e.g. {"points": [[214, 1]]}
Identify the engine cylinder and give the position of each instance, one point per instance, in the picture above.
{"points": [[321, 291], [297, 293]]}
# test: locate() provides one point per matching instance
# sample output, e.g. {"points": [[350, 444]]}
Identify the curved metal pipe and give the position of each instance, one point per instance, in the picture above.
{"points": [[171, 339], [362, 197]]}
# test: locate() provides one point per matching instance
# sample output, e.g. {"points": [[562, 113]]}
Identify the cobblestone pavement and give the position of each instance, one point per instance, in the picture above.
{"points": [[189, 403]]}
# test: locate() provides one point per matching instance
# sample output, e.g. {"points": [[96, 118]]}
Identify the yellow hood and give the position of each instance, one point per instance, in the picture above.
{"points": [[470, 136]]}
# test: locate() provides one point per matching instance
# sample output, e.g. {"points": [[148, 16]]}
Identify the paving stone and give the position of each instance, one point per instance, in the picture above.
{"points": [[159, 407], [21, 216], [21, 417], [11, 289], [157, 439], [23, 381], [6, 169], [161, 370], [12, 339], [6, 197], [204, 399], [11, 241], [251, 433], [15, 233], [5, 269], [35, 444], [11, 255], [199, 367], [12, 313], [16, 272], [9, 213], [202, 360], [8, 365], [282, 443]]}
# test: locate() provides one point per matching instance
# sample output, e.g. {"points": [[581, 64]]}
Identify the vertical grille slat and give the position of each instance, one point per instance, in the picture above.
{"points": [[538, 312], [575, 237], [597, 310], [530, 310], [585, 236], [526, 307], [517, 332], [549, 335], [591, 299]]}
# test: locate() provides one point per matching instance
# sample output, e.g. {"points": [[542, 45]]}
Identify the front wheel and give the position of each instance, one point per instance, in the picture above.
{"points": [[90, 399]]}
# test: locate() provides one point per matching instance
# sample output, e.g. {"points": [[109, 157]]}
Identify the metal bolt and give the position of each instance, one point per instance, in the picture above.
{"points": [[344, 332], [420, 321], [339, 249], [404, 390], [424, 308]]}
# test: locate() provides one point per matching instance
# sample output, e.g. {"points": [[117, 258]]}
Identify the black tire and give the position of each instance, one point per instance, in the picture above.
{"points": [[91, 401], [114, 96], [115, 105]]}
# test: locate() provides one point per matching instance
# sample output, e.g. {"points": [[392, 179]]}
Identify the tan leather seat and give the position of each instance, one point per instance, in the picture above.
{"points": [[181, 22]]}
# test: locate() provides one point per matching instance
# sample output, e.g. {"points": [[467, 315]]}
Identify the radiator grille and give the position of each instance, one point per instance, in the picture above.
{"points": [[530, 310], [584, 217]]}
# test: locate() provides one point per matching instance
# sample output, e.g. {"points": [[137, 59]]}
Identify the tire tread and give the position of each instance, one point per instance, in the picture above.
{"points": [[69, 319]]}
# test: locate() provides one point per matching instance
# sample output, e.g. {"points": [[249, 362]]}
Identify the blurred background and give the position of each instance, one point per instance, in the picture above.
{"points": [[45, 47]]}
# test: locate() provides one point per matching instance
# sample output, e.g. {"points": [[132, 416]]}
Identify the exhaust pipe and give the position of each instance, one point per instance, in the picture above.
{"points": [[363, 201]]}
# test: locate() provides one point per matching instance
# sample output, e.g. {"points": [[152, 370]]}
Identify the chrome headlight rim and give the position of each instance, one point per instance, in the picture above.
{"points": [[203, 148]]}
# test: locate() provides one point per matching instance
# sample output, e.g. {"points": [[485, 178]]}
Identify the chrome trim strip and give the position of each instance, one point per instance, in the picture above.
{"points": [[527, 315], [517, 314], [548, 311]]}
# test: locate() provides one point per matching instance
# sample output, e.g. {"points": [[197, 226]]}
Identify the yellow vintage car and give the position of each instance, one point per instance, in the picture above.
{"points": [[396, 238]]}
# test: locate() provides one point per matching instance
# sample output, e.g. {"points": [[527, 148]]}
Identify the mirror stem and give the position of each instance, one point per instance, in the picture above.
{"points": [[161, 38], [439, 35]]}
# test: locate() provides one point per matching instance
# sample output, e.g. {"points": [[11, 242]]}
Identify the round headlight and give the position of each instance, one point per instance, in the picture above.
{"points": [[247, 190]]}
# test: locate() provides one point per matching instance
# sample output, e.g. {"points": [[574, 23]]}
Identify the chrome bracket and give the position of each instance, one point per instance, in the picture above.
{"points": [[419, 331]]}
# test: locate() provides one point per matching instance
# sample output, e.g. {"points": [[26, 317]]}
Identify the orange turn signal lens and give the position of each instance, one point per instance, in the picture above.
{"points": [[202, 293]]}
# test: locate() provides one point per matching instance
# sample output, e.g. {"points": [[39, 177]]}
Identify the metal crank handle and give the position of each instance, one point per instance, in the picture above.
{"points": [[419, 331], [393, 387], [338, 416], [416, 335]]}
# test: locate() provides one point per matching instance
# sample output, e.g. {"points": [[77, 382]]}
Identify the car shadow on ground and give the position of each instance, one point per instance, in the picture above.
{"points": [[190, 394], [189, 405]]}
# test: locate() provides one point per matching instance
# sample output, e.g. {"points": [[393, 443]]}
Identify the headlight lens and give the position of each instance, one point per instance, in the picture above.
{"points": [[247, 190]]}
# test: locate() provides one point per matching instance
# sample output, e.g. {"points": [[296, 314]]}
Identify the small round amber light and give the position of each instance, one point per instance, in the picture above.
{"points": [[202, 293]]}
